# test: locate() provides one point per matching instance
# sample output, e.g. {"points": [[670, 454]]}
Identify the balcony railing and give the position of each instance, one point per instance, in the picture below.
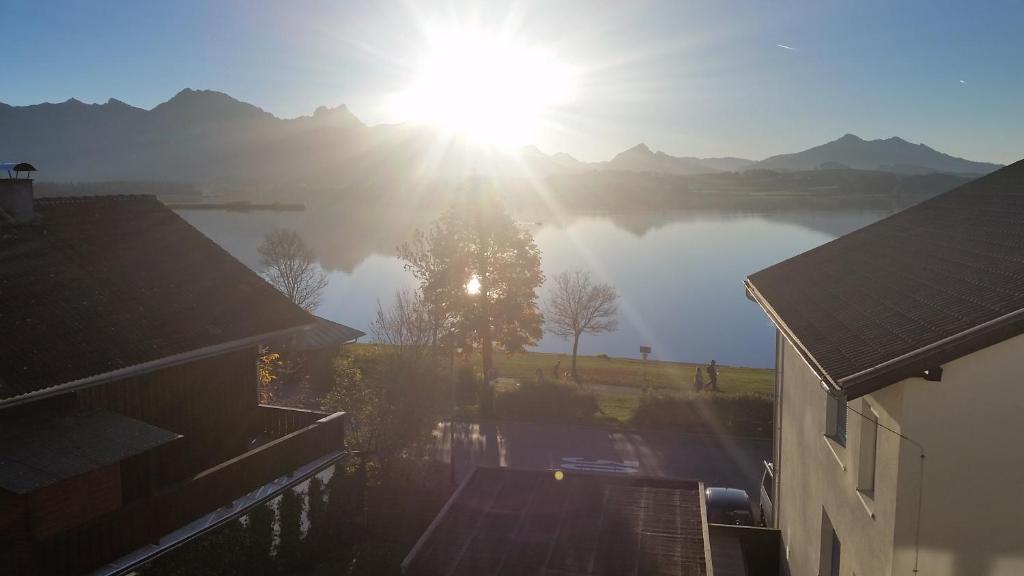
{"points": [[307, 436], [277, 421]]}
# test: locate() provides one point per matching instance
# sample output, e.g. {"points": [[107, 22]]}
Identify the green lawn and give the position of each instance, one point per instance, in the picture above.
{"points": [[618, 382], [662, 376]]}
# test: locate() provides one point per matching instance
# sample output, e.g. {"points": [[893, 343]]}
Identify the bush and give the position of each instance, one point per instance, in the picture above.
{"points": [[737, 414], [485, 397], [466, 385], [603, 356], [548, 402]]}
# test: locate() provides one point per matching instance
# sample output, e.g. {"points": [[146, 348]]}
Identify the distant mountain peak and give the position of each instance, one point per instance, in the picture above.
{"points": [[208, 105], [640, 148], [338, 115], [893, 154], [188, 94]]}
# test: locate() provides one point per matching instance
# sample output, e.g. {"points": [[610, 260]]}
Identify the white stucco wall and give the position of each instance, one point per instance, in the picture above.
{"points": [[817, 474], [971, 493], [972, 506]]}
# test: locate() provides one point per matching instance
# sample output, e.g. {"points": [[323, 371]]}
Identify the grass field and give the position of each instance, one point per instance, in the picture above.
{"points": [[661, 376], [619, 383]]}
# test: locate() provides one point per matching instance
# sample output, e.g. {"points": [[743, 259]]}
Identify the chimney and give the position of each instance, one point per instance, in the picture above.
{"points": [[16, 193]]}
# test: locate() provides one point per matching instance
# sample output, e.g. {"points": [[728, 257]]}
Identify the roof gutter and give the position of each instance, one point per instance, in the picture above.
{"points": [[151, 366], [937, 346], [827, 381], [870, 379]]}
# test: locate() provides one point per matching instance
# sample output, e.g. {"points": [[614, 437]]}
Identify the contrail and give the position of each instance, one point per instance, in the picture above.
{"points": [[784, 47]]}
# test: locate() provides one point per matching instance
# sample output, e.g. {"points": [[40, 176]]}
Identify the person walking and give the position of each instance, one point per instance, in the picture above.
{"points": [[698, 380], [713, 376], [558, 369]]}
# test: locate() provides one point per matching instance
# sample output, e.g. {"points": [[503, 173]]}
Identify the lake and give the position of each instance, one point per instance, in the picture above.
{"points": [[679, 274]]}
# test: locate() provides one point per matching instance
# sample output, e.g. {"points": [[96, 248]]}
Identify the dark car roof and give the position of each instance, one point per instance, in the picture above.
{"points": [[96, 285], [727, 498], [910, 292]]}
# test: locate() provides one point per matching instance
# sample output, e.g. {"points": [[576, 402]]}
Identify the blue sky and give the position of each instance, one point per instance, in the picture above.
{"points": [[690, 78]]}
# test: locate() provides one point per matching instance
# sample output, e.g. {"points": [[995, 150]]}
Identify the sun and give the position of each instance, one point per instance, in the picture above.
{"points": [[487, 87]]}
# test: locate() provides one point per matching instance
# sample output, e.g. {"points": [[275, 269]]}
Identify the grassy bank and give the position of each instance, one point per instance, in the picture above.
{"points": [[613, 391], [661, 376]]}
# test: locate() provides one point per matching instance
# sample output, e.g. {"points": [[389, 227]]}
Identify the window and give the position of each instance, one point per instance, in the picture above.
{"points": [[835, 418], [830, 548], [868, 450]]}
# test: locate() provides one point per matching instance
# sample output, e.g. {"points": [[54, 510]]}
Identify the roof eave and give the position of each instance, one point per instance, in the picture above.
{"points": [[756, 296], [909, 365], [151, 366], [913, 364]]}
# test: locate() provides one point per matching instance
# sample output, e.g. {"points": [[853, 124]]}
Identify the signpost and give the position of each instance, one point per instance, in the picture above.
{"points": [[644, 351]]}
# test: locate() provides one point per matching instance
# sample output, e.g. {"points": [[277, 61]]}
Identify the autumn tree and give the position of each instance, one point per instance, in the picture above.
{"points": [[388, 389], [479, 272], [289, 264], [577, 306]]}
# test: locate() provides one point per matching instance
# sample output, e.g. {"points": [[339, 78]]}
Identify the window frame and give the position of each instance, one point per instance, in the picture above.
{"points": [[836, 418], [831, 549], [867, 463]]}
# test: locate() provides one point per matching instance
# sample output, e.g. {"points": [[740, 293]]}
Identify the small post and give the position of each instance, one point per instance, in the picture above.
{"points": [[644, 352]]}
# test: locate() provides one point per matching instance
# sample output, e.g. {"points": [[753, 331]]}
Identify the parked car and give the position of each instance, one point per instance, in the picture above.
{"points": [[767, 509], [728, 506]]}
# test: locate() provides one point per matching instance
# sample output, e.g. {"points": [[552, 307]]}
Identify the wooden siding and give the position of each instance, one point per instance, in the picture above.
{"points": [[136, 524], [74, 501], [14, 527], [210, 402]]}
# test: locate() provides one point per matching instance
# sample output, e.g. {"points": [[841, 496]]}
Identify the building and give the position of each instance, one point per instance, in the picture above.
{"points": [[128, 381], [899, 397], [509, 522]]}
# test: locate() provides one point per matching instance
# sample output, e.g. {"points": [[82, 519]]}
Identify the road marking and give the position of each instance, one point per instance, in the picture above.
{"points": [[588, 465]]}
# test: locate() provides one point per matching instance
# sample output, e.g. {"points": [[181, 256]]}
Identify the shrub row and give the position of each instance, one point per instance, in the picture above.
{"points": [[546, 402], [736, 414]]}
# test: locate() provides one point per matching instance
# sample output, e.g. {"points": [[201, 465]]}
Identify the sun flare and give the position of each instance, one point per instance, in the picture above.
{"points": [[473, 286], [491, 89]]}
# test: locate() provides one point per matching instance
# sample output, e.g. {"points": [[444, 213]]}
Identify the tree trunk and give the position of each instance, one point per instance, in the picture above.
{"points": [[575, 347], [486, 347]]}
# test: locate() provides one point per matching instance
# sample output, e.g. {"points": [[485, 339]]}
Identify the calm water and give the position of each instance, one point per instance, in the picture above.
{"points": [[679, 274]]}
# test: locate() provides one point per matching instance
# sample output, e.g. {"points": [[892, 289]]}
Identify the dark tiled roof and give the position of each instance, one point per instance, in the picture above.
{"points": [[97, 284], [516, 522], [922, 287], [42, 449], [325, 334]]}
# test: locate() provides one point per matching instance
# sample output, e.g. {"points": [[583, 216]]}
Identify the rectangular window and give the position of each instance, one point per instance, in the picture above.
{"points": [[830, 548], [868, 450], [835, 418]]}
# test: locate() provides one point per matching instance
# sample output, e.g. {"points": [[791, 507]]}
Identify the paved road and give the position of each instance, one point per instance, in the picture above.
{"points": [[717, 461]]}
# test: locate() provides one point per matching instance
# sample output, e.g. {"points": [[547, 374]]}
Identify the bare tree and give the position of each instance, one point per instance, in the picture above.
{"points": [[290, 265], [390, 389], [577, 306]]}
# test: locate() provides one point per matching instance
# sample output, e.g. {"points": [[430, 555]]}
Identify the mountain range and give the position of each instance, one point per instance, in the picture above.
{"points": [[209, 138]]}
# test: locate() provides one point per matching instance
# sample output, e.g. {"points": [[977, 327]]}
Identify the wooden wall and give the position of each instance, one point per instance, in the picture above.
{"points": [[74, 501], [211, 402]]}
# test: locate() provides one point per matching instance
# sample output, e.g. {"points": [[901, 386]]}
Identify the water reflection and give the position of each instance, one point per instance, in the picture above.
{"points": [[679, 272]]}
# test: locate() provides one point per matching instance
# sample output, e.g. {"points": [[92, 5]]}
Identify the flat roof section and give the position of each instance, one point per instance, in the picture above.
{"points": [[43, 449], [509, 522]]}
